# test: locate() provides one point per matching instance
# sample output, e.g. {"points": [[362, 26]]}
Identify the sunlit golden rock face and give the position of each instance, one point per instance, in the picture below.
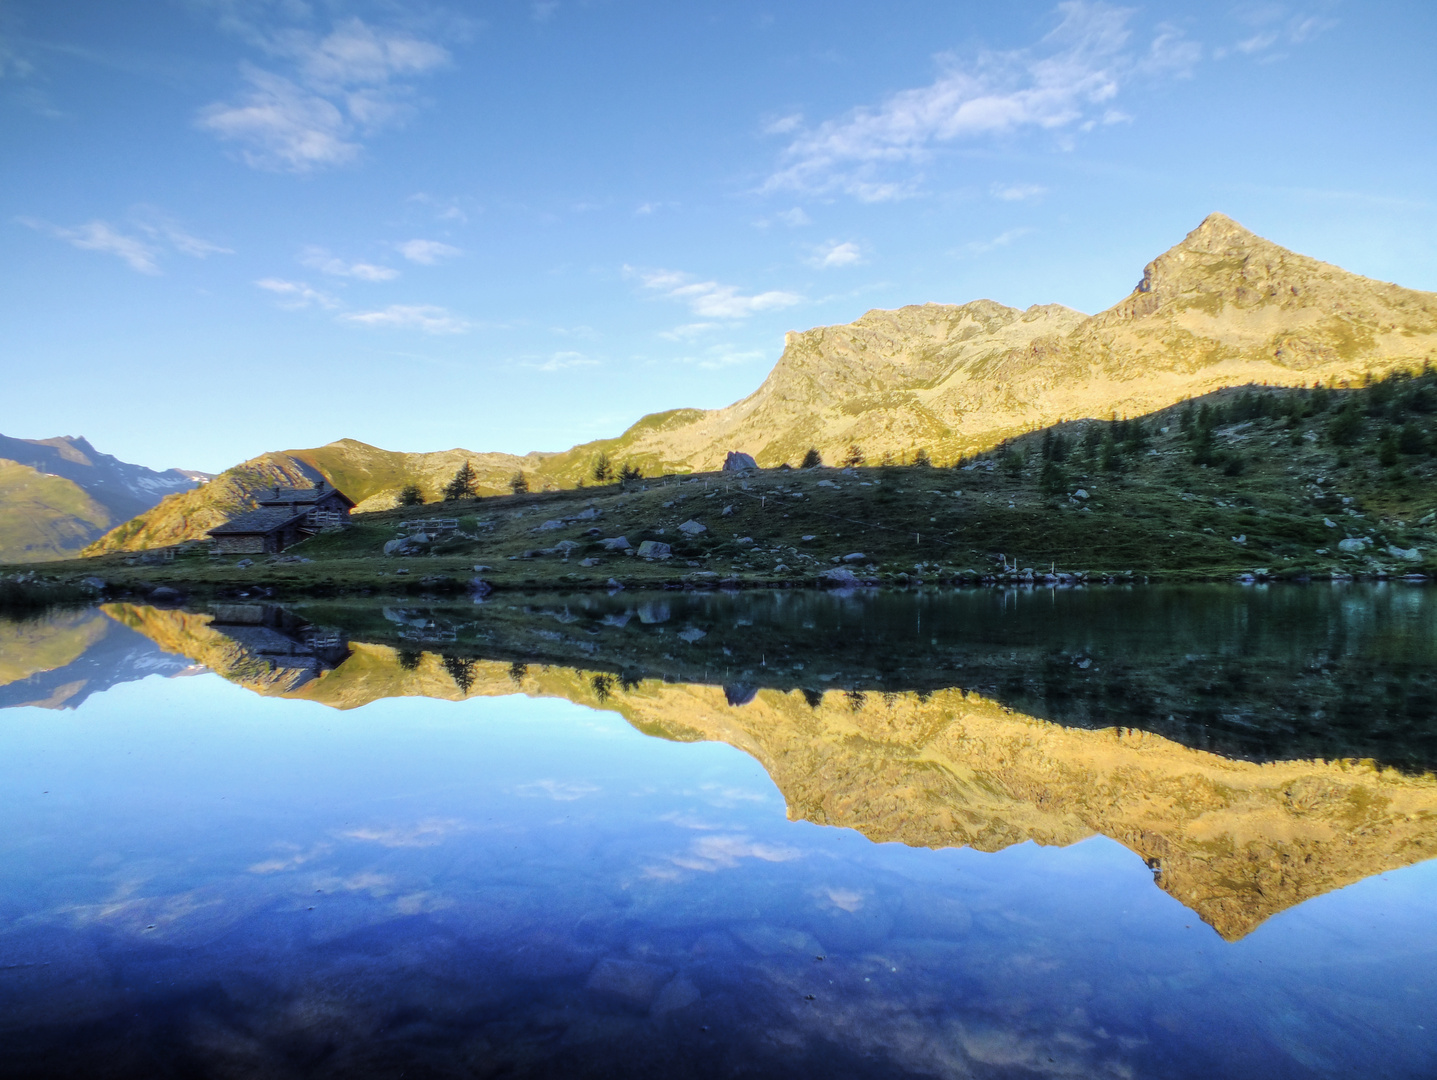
{"points": [[1235, 841]]}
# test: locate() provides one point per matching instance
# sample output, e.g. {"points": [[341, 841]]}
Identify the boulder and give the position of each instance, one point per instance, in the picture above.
{"points": [[854, 556], [692, 634], [738, 461], [616, 543], [1405, 554], [614, 584], [393, 546], [653, 549], [654, 611], [693, 528], [244, 563], [479, 587], [98, 584], [1354, 544], [839, 575], [1081, 493], [727, 510], [548, 526], [563, 547], [744, 541], [165, 595]]}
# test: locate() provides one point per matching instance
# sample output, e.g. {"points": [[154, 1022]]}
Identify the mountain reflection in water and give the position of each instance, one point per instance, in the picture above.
{"points": [[1255, 747]]}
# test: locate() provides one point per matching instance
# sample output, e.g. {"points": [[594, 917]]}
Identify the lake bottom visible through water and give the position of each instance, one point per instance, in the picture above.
{"points": [[200, 881]]}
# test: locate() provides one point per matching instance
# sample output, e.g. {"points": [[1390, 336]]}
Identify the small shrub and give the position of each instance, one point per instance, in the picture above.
{"points": [[411, 495], [811, 460]]}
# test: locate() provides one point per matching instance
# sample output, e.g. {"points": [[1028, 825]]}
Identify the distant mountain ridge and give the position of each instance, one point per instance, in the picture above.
{"points": [[56, 495], [1223, 307]]}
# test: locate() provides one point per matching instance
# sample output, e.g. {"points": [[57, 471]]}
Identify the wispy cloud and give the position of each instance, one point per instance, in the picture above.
{"points": [[320, 259], [560, 361], [709, 299], [688, 331], [103, 237], [1272, 26], [558, 790], [295, 295], [340, 88], [711, 853], [428, 318], [783, 125], [159, 232], [873, 153], [427, 833], [1017, 192], [1002, 240], [834, 254], [427, 252]]}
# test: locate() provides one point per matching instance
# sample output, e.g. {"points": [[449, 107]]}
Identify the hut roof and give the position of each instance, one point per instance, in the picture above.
{"points": [[298, 495], [264, 520]]}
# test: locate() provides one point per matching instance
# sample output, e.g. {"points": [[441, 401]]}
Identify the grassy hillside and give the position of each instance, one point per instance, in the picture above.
{"points": [[1255, 480], [44, 517]]}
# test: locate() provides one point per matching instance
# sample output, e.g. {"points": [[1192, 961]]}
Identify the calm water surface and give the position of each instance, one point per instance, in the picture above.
{"points": [[1106, 833]]}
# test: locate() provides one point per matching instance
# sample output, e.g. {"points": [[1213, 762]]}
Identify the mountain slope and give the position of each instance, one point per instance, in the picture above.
{"points": [[57, 495], [1224, 307]]}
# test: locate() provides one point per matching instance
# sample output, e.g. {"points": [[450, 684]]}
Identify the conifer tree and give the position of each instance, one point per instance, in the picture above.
{"points": [[519, 483], [603, 468], [411, 495], [811, 460], [463, 485]]}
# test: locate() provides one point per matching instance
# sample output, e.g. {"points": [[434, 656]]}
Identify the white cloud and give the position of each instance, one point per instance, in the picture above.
{"points": [[320, 259], [783, 125], [1017, 192], [710, 853], [688, 331], [297, 294], [344, 86], [980, 247], [873, 153], [103, 237], [709, 299], [561, 361], [429, 318], [794, 218], [833, 254], [427, 252], [1274, 25]]}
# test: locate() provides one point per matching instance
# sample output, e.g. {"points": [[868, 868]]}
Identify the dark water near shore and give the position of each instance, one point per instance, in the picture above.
{"points": [[1111, 833]]}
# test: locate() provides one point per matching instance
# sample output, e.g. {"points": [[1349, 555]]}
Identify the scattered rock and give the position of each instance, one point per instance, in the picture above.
{"points": [[809, 537], [692, 634], [654, 549], [1405, 554], [693, 528], [737, 461], [1329, 523], [481, 568], [243, 563], [589, 562], [95, 583], [615, 585], [1242, 539], [839, 575], [654, 611], [549, 525], [393, 546], [744, 541], [480, 587], [165, 595], [1081, 493], [826, 483], [727, 510], [854, 556], [1354, 544], [615, 543], [563, 547]]}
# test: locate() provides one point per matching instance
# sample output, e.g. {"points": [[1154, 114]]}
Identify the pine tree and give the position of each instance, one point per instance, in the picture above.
{"points": [[463, 484], [811, 460], [921, 458], [603, 468], [854, 458], [411, 495], [519, 483], [630, 472]]}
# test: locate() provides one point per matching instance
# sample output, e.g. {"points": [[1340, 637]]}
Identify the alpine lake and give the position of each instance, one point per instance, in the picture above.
{"points": [[1151, 831]]}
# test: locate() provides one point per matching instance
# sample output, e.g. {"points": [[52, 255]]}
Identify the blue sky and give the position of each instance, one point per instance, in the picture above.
{"points": [[231, 226]]}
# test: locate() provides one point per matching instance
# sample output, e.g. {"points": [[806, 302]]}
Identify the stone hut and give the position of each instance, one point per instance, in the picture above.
{"points": [[285, 516]]}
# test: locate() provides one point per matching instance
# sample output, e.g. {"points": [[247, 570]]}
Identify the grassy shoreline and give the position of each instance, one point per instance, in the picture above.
{"points": [[1254, 482]]}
